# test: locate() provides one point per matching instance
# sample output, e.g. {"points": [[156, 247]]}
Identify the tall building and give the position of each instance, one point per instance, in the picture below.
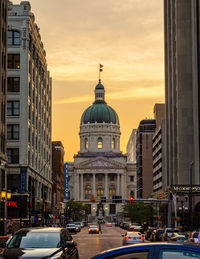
{"points": [[131, 147], [58, 176], [100, 171], [158, 144], [144, 158], [28, 110], [182, 79], [3, 87]]}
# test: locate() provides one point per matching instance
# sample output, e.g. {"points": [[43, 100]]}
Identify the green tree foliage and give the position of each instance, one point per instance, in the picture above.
{"points": [[139, 212], [76, 210]]}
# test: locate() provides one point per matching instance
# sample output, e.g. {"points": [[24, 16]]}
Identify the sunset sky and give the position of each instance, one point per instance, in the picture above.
{"points": [[126, 36]]}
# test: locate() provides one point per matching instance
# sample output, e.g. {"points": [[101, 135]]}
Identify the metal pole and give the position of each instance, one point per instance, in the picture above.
{"points": [[169, 210], [190, 195], [182, 215]]}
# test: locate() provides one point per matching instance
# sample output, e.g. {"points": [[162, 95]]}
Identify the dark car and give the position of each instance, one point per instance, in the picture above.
{"points": [[149, 233], [152, 251], [41, 243], [72, 228], [158, 234]]}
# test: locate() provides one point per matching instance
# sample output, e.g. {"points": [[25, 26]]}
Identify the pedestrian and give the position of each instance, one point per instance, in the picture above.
{"points": [[199, 237], [100, 228]]}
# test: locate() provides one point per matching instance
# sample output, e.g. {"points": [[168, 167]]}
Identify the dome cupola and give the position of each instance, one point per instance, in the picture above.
{"points": [[99, 112]]}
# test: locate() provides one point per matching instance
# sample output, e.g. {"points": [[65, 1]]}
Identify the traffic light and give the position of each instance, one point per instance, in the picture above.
{"points": [[131, 199]]}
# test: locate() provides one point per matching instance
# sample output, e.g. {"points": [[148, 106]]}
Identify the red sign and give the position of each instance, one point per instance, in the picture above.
{"points": [[12, 204]]}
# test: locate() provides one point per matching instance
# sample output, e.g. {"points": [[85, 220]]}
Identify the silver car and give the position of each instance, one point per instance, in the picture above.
{"points": [[132, 238]]}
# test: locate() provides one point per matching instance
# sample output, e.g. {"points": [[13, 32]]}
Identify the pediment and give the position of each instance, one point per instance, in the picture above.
{"points": [[100, 162]]}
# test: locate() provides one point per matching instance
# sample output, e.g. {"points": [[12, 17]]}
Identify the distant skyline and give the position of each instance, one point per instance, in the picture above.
{"points": [[125, 36]]}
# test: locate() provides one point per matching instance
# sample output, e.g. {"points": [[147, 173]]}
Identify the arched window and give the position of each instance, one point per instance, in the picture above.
{"points": [[100, 143], [113, 143], [13, 37], [112, 191], [86, 143], [88, 191], [99, 191]]}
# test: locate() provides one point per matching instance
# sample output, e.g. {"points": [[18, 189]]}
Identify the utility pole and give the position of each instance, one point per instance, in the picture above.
{"points": [[190, 195], [169, 209]]}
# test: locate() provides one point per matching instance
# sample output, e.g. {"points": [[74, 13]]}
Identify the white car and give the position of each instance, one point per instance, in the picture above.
{"points": [[132, 238]]}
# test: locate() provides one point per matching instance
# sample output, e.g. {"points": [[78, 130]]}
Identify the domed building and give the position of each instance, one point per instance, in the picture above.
{"points": [[100, 175]]}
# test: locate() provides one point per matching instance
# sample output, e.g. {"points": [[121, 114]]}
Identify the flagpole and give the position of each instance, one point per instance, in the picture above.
{"points": [[99, 73]]}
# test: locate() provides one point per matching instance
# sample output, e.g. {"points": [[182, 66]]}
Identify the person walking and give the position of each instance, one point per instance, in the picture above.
{"points": [[100, 230]]}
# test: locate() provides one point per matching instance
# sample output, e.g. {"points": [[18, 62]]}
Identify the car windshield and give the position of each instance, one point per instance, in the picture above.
{"points": [[93, 226], [35, 240], [70, 225], [132, 234], [173, 231]]}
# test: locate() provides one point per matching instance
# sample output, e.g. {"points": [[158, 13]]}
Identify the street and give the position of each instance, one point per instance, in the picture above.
{"points": [[91, 244]]}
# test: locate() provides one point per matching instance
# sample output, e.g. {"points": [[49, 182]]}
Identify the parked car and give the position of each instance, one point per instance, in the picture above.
{"points": [[178, 237], [78, 226], [72, 228], [132, 238], [152, 251], [93, 229], [41, 243], [168, 232], [193, 237]]}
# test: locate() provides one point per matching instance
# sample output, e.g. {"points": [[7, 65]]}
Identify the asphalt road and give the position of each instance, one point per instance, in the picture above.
{"points": [[91, 244]]}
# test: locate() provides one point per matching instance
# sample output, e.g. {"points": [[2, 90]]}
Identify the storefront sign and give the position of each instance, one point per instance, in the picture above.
{"points": [[12, 204], [186, 188], [66, 181], [23, 176]]}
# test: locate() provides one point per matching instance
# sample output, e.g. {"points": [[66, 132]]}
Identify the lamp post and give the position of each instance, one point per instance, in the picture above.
{"points": [[5, 195], [182, 208], [190, 195]]}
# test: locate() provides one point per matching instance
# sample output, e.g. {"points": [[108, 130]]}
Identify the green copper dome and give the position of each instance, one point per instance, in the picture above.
{"points": [[99, 112]]}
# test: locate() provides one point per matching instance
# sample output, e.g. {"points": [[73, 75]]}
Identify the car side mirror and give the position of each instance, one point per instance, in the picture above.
{"points": [[3, 245]]}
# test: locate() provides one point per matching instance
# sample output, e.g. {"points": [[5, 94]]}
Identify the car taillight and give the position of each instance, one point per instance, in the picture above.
{"points": [[89, 230], [97, 229], [127, 237], [142, 238], [192, 240]]}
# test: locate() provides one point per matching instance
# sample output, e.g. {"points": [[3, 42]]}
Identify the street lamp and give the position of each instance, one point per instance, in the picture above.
{"points": [[182, 208], [5, 195]]}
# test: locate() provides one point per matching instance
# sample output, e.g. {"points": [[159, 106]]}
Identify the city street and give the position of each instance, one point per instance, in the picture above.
{"points": [[91, 244]]}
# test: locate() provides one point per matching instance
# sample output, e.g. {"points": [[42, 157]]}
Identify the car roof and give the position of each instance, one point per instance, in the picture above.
{"points": [[39, 230], [130, 248]]}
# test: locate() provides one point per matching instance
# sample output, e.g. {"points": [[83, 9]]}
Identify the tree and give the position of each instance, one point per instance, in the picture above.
{"points": [[76, 210], [139, 212]]}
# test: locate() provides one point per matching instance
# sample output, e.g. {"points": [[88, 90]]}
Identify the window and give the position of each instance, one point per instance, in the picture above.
{"points": [[13, 155], [112, 208], [178, 254], [112, 192], [88, 191], [13, 108], [113, 143], [13, 37], [13, 61], [86, 143], [87, 177], [100, 143], [131, 178], [12, 131], [13, 84], [99, 191], [112, 177]]}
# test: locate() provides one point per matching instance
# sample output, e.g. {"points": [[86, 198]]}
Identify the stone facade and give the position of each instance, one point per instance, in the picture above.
{"points": [[100, 169], [28, 108]]}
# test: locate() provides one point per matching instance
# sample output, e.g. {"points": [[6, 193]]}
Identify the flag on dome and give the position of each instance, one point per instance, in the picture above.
{"points": [[100, 67]]}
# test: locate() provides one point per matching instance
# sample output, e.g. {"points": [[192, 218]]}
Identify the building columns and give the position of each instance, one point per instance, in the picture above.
{"points": [[106, 186], [93, 185], [81, 187], [77, 189], [122, 185], [118, 180]]}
